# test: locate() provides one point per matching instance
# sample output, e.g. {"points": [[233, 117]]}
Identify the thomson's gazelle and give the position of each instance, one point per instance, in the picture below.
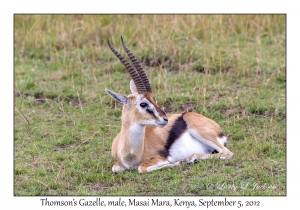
{"points": [[150, 139]]}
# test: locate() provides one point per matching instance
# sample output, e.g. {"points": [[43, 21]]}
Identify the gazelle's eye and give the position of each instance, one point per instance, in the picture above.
{"points": [[143, 105]]}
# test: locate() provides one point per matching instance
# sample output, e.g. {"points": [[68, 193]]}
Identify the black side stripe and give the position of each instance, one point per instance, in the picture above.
{"points": [[176, 131]]}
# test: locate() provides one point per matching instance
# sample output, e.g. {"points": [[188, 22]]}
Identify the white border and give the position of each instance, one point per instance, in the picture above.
{"points": [[8, 201]]}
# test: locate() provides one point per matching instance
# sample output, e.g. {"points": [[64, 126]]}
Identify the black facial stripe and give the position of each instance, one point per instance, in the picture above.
{"points": [[163, 112], [176, 131], [149, 111]]}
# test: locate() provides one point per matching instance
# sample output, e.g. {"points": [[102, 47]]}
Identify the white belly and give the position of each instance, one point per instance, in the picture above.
{"points": [[186, 146]]}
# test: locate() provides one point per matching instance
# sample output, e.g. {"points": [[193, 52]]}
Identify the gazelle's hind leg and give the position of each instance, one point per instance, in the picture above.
{"points": [[197, 157], [156, 163], [209, 133], [213, 141]]}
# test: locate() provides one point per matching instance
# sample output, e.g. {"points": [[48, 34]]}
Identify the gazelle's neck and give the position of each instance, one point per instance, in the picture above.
{"points": [[137, 134], [131, 147]]}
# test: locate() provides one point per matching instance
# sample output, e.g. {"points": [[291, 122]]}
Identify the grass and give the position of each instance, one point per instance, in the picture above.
{"points": [[230, 68]]}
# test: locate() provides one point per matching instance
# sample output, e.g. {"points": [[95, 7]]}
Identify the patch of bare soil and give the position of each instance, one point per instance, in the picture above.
{"points": [[41, 98], [167, 107], [200, 69], [20, 94], [232, 111], [171, 65], [98, 187], [164, 62], [114, 104], [35, 165], [154, 62], [189, 107], [212, 70], [63, 147], [214, 98], [77, 102]]}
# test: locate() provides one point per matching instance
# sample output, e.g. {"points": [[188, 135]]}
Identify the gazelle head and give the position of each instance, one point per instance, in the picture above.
{"points": [[141, 106]]}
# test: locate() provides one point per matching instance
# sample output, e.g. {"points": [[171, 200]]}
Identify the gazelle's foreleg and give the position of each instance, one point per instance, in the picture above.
{"points": [[118, 167]]}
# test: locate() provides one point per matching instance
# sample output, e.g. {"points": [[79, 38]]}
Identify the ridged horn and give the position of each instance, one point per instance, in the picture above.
{"points": [[137, 66], [133, 73]]}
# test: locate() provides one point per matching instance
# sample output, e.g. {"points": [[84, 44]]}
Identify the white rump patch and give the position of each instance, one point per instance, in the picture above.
{"points": [[186, 146], [209, 144], [222, 140]]}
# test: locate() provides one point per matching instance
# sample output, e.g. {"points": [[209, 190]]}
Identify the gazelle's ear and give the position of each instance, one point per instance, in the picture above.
{"points": [[133, 87], [118, 97]]}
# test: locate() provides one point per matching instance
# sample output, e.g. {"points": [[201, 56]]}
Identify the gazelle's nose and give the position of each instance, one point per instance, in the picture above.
{"points": [[166, 119]]}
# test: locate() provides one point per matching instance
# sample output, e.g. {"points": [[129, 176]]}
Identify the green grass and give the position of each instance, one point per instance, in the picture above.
{"points": [[230, 68]]}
